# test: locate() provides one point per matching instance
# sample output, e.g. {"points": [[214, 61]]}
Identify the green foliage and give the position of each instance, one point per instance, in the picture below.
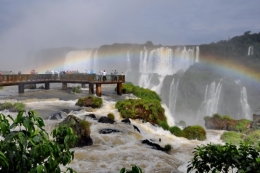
{"points": [[92, 101], [167, 148], [176, 131], [242, 125], [135, 169], [253, 138], [225, 158], [216, 116], [194, 132], [76, 89], [232, 137], [6, 105], [18, 106], [148, 110], [1, 87], [26, 146], [111, 116], [145, 93], [164, 125]]}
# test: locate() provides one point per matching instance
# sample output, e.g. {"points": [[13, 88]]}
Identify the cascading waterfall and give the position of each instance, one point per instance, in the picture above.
{"points": [[197, 53], [246, 110], [81, 61], [211, 99], [250, 50], [128, 62], [173, 96], [95, 61]]}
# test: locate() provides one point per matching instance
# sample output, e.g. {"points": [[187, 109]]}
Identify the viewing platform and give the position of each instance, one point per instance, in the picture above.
{"points": [[46, 79]]}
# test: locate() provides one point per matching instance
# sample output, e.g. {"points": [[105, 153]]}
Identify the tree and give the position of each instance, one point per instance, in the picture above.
{"points": [[26, 146], [224, 158]]}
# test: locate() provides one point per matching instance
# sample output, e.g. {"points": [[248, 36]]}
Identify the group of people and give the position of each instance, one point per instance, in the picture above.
{"points": [[114, 75]]}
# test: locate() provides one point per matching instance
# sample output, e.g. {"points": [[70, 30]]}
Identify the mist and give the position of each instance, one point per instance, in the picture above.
{"points": [[28, 26]]}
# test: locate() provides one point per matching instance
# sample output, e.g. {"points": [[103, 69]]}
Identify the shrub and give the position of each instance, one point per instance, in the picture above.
{"points": [[76, 89], [253, 138], [111, 116], [6, 105], [148, 110], [27, 147], [167, 148], [194, 132], [176, 131], [224, 158], [19, 106], [94, 102], [231, 137], [164, 125]]}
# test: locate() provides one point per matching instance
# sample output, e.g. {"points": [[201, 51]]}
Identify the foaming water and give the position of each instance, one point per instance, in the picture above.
{"points": [[111, 152]]}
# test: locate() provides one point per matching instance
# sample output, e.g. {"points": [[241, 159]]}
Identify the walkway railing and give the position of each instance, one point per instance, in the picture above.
{"points": [[91, 78]]}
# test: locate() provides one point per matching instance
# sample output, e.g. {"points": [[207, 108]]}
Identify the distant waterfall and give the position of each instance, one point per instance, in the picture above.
{"points": [[246, 110], [78, 60], [250, 50], [128, 63], [164, 61], [173, 96], [197, 53], [211, 99], [95, 61]]}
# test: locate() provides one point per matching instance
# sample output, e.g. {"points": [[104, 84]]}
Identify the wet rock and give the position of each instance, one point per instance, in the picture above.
{"points": [[93, 116], [127, 121], [81, 128], [57, 116], [255, 125], [108, 131], [136, 128], [41, 87], [107, 120], [152, 145]]}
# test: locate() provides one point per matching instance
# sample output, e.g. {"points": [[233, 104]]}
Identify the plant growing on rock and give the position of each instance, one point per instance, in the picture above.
{"points": [[194, 132], [16, 107], [26, 146], [91, 101], [76, 89], [111, 116], [176, 131], [135, 169]]}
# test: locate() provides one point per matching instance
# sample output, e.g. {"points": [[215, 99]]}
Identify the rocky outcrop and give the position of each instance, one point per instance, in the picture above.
{"points": [[108, 131], [152, 145], [107, 120], [81, 128], [256, 121]]}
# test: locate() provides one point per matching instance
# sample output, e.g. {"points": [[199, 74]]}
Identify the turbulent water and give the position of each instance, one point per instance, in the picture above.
{"points": [[110, 152]]}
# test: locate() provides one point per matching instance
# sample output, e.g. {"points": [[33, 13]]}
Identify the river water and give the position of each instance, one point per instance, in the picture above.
{"points": [[111, 152]]}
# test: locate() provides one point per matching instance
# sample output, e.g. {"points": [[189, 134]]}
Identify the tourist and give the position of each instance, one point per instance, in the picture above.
{"points": [[115, 73], [104, 75]]}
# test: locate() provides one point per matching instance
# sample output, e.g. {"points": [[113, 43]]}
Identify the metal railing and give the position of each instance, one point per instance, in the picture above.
{"points": [[15, 78]]}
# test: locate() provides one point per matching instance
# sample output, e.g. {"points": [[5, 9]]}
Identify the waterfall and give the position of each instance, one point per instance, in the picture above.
{"points": [[246, 110], [250, 50], [128, 62], [78, 61], [95, 61], [211, 99], [173, 96], [197, 53]]}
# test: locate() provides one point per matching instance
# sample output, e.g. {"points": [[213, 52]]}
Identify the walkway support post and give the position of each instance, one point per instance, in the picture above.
{"points": [[47, 85], [21, 88], [91, 88], [119, 88], [98, 89], [64, 86]]}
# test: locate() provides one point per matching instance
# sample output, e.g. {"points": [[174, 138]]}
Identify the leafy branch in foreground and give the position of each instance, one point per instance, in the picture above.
{"points": [[225, 158], [26, 146]]}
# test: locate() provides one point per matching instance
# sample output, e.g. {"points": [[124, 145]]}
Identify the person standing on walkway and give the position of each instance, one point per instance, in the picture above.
{"points": [[104, 75]]}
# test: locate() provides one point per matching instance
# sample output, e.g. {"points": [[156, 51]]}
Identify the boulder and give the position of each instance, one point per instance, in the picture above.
{"points": [[93, 116], [255, 125], [152, 145], [107, 120], [81, 128], [108, 131], [126, 120]]}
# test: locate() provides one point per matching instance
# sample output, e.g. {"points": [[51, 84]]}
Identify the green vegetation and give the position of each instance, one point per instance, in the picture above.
{"points": [[16, 107], [92, 101], [139, 92], [148, 110], [27, 147], [181, 123], [135, 169], [167, 148], [76, 89], [194, 132], [111, 116], [1, 87], [225, 158], [232, 137], [176, 131]]}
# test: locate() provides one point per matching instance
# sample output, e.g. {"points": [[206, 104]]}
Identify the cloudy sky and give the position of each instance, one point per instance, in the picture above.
{"points": [[27, 25]]}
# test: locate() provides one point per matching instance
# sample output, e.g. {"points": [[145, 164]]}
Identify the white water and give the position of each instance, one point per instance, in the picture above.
{"points": [[246, 110], [250, 50], [211, 100], [111, 152], [173, 96]]}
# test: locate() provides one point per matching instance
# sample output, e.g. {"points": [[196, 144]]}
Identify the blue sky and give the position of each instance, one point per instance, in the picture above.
{"points": [[27, 25]]}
